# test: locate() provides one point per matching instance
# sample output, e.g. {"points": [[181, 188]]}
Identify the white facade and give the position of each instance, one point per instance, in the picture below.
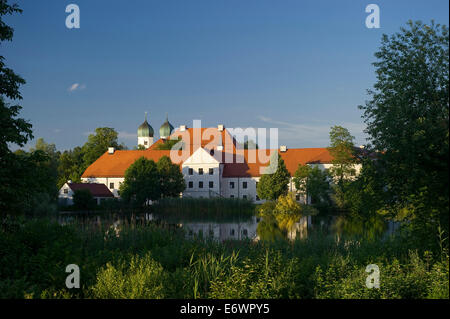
{"points": [[203, 175], [145, 141]]}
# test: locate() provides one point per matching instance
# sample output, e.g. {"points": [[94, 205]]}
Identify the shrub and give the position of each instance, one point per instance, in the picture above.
{"points": [[141, 278]]}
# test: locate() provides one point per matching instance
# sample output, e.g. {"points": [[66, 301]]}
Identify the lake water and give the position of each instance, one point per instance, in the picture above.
{"points": [[252, 228]]}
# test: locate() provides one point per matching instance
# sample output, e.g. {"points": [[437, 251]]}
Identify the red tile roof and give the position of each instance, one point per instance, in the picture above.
{"points": [[97, 190], [115, 165], [292, 158]]}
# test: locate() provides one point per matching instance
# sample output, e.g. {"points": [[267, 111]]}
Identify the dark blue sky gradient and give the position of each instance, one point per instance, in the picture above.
{"points": [[301, 66]]}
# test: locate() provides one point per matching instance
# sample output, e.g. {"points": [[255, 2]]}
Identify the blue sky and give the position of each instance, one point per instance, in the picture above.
{"points": [[301, 66]]}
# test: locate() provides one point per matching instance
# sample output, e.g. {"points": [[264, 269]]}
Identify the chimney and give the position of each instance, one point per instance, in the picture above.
{"points": [[220, 127], [283, 148], [182, 128], [110, 150]]}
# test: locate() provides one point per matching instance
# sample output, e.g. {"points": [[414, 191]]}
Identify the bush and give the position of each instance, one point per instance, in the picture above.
{"points": [[141, 277], [83, 200]]}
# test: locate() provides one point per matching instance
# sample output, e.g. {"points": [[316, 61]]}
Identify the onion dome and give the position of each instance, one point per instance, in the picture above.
{"points": [[145, 130], [166, 129]]}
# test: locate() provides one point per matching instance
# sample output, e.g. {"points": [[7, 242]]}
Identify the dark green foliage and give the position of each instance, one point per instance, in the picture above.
{"points": [[98, 143], [170, 178], [13, 130], [168, 144], [142, 182], [342, 172], [313, 182], [71, 166], [146, 180], [408, 123], [271, 186], [145, 261], [83, 200]]}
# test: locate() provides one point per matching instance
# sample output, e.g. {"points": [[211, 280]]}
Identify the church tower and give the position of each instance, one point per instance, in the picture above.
{"points": [[145, 134], [166, 129]]}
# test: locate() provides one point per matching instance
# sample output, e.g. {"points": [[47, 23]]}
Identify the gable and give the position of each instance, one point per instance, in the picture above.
{"points": [[200, 156]]}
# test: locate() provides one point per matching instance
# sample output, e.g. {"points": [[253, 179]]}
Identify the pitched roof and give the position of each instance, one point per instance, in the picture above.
{"points": [[97, 190], [207, 138], [292, 158], [244, 163], [115, 165]]}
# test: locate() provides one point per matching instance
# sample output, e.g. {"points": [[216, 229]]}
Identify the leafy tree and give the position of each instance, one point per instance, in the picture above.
{"points": [[83, 199], [313, 182], [168, 144], [407, 121], [71, 166], [13, 130], [170, 178], [342, 149], [142, 182], [272, 186], [98, 144], [287, 211], [365, 196]]}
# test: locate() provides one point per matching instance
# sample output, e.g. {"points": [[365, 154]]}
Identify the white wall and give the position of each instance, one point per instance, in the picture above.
{"points": [[143, 140], [201, 159], [65, 199]]}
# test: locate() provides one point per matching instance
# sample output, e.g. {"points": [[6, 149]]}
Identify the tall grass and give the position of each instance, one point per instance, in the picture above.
{"points": [[147, 261]]}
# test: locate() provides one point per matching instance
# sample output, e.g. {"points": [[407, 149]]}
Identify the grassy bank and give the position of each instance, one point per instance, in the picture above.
{"points": [[153, 262]]}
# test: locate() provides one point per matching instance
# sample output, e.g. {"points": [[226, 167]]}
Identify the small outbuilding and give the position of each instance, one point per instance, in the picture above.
{"points": [[99, 191]]}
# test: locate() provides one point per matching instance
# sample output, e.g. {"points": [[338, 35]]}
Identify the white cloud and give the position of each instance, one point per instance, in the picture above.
{"points": [[127, 135], [312, 135], [76, 86]]}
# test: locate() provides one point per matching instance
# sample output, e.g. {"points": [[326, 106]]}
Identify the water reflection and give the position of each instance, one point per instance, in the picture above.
{"points": [[253, 228]]}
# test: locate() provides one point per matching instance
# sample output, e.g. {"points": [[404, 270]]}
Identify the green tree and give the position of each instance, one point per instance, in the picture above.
{"points": [[98, 143], [13, 130], [170, 178], [83, 199], [272, 186], [313, 182], [142, 182], [407, 120], [71, 166], [168, 144], [342, 171]]}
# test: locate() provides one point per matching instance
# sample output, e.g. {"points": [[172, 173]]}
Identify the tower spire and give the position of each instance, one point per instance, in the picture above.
{"points": [[146, 116]]}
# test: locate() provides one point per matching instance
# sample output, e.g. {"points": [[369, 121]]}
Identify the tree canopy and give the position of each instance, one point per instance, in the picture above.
{"points": [[313, 182], [272, 186], [171, 179], [147, 181], [407, 120]]}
